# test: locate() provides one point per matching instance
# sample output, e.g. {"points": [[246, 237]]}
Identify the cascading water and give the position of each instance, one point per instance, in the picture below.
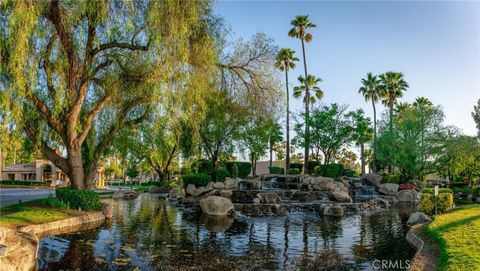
{"points": [[271, 184], [364, 192]]}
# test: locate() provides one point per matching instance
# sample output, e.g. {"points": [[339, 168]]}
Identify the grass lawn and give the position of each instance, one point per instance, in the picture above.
{"points": [[458, 237], [31, 212]]}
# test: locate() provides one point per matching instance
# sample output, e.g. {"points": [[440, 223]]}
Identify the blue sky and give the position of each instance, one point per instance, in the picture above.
{"points": [[435, 44]]}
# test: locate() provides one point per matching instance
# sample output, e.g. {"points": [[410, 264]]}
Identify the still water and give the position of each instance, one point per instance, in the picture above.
{"points": [[150, 233]]}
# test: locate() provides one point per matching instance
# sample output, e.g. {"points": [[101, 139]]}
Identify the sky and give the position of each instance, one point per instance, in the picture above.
{"points": [[435, 44]]}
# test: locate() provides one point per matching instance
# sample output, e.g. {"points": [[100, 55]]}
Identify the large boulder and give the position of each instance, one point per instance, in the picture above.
{"points": [[340, 196], [325, 184], [230, 183], [155, 189], [219, 185], [390, 189], [18, 250], [378, 204], [333, 210], [226, 193], [191, 189], [209, 186], [418, 218], [374, 179], [408, 195], [125, 194], [302, 196], [268, 198], [217, 206], [176, 193], [203, 190]]}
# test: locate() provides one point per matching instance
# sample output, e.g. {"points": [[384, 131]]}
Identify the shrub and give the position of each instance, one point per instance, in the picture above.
{"points": [[276, 170], [391, 178], [431, 190], [465, 191], [476, 191], [297, 165], [221, 173], [294, 171], [202, 166], [86, 200], [330, 170], [444, 203], [427, 203], [311, 166], [55, 203], [350, 173], [240, 169], [406, 187], [198, 179]]}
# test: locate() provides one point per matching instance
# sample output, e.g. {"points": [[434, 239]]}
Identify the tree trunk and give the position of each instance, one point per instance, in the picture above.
{"points": [[307, 113], [271, 151], [77, 173], [362, 157], [287, 156], [374, 165], [390, 167]]}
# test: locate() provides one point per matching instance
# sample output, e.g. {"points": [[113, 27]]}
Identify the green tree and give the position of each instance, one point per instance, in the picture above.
{"points": [[476, 116], [371, 92], [301, 24], [362, 133], [285, 61], [275, 136], [423, 105], [311, 83], [255, 138], [82, 71], [392, 85]]}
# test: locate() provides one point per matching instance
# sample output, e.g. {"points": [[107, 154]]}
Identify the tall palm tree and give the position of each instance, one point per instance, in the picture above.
{"points": [[285, 61], [311, 83], [371, 92], [392, 85], [422, 104], [301, 24]]}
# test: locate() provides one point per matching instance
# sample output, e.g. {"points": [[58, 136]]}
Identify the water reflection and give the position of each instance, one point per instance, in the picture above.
{"points": [[150, 234]]}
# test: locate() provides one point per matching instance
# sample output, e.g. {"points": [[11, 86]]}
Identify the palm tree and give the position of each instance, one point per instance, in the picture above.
{"points": [[422, 104], [285, 61], [392, 85], [301, 24], [274, 136], [371, 91], [311, 83]]}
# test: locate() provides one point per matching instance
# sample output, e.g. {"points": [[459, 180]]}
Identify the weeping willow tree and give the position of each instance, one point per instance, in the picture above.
{"points": [[75, 73]]}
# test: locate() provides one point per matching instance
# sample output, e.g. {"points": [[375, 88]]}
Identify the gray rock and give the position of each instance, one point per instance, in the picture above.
{"points": [[418, 218], [390, 189], [269, 198], [209, 186], [226, 193], [333, 210], [154, 189], [374, 179], [176, 193], [107, 210], [219, 185], [408, 195], [191, 189], [212, 192], [256, 201], [125, 194], [217, 206], [202, 190], [378, 203], [18, 250], [340, 196], [230, 183]]}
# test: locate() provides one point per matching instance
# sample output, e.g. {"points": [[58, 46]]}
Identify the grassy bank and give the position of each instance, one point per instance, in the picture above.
{"points": [[32, 212], [458, 237]]}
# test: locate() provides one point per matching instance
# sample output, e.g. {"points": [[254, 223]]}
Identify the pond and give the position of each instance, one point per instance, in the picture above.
{"points": [[150, 233]]}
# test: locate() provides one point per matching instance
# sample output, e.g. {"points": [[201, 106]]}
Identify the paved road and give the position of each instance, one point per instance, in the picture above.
{"points": [[13, 195]]}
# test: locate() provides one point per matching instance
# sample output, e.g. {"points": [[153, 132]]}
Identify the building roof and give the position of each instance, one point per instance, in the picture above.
{"points": [[30, 167]]}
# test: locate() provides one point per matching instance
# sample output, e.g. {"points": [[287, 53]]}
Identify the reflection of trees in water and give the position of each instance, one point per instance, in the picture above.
{"points": [[382, 236], [330, 230]]}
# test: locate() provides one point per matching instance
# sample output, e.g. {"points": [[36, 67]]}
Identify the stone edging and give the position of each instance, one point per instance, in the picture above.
{"points": [[422, 260]]}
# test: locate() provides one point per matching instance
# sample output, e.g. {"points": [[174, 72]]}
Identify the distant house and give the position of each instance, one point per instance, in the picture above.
{"points": [[40, 171]]}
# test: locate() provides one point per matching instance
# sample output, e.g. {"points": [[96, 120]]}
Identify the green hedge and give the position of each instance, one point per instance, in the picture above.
{"points": [[276, 170], [350, 173], [294, 171], [299, 166], [476, 191], [86, 200], [431, 190], [330, 170], [311, 166], [391, 178], [221, 173], [202, 166], [239, 169], [463, 190], [26, 183], [444, 203], [198, 179]]}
